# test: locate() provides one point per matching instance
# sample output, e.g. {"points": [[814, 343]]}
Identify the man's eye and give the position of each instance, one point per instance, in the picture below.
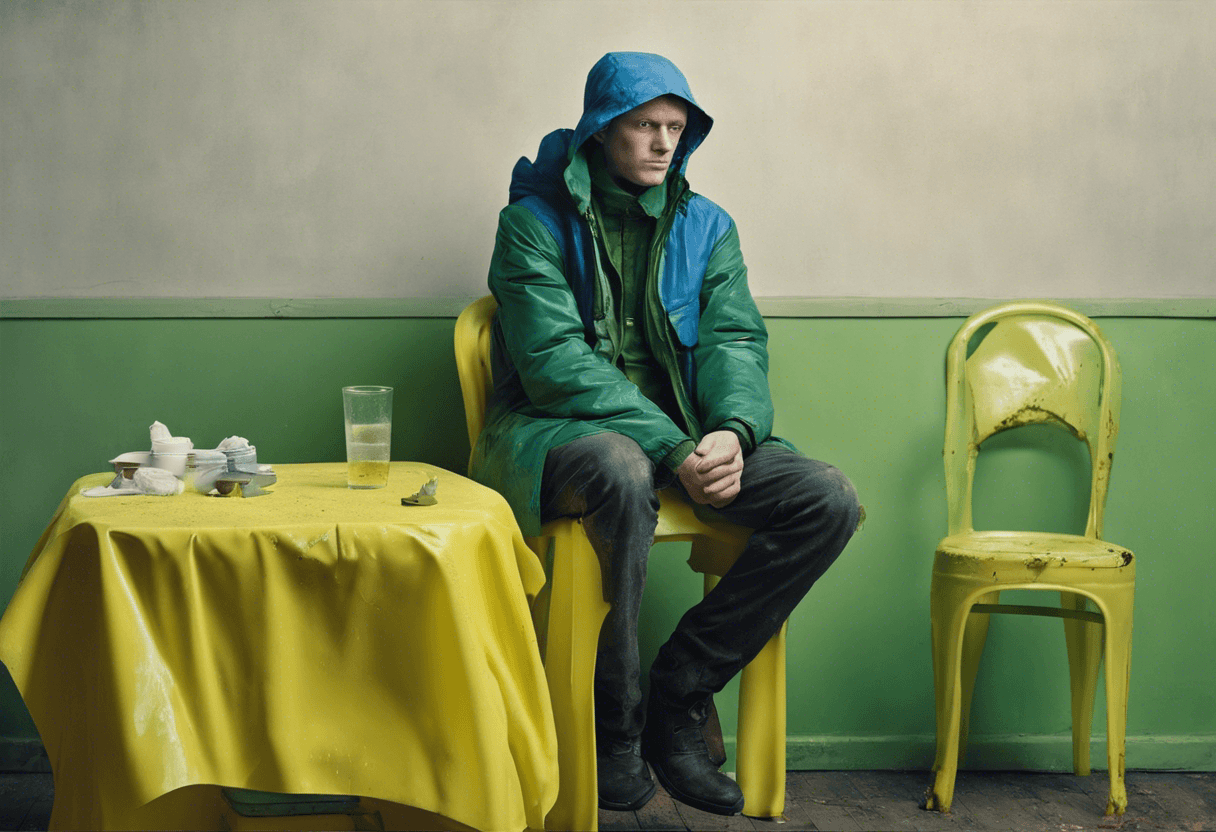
{"points": [[676, 128]]}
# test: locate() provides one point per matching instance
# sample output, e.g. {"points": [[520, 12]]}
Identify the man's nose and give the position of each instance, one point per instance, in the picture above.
{"points": [[665, 140]]}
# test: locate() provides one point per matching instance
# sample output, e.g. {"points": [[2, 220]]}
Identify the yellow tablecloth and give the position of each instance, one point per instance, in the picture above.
{"points": [[314, 639]]}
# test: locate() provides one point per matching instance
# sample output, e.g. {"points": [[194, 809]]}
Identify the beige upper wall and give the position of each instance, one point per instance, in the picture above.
{"points": [[363, 149]]}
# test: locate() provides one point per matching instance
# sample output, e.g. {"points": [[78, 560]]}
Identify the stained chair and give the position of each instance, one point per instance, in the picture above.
{"points": [[568, 624], [1036, 363]]}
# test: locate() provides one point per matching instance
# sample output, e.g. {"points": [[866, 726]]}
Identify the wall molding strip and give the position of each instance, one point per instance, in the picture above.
{"points": [[449, 307], [775, 307]]}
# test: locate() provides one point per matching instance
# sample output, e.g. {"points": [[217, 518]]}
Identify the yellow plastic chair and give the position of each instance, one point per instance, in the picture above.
{"points": [[1039, 363], [568, 625]]}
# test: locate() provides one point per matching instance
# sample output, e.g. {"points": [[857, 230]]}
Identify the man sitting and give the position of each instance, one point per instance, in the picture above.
{"points": [[628, 355]]}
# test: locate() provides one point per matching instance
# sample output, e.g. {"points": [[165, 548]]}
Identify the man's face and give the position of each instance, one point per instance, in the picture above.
{"points": [[639, 144]]}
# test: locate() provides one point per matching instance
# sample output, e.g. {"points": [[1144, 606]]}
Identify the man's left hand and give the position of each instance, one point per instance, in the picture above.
{"points": [[712, 473]]}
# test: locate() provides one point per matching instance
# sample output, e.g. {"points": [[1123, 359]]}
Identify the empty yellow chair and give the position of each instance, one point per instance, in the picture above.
{"points": [[568, 624], [1038, 363]]}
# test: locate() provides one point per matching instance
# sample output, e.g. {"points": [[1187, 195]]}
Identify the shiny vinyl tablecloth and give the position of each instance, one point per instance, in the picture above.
{"points": [[313, 639]]}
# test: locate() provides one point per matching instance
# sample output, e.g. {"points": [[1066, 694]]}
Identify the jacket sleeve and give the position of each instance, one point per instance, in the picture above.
{"points": [[731, 354], [561, 374]]}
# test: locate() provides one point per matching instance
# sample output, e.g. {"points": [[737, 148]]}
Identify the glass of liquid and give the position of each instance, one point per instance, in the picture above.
{"points": [[369, 427]]}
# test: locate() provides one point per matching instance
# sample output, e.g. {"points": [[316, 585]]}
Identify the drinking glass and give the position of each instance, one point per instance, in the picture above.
{"points": [[369, 428]]}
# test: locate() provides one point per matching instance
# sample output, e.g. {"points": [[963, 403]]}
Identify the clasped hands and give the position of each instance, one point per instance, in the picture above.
{"points": [[712, 472]]}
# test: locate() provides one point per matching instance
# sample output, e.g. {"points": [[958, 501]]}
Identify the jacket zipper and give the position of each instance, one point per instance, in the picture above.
{"points": [[598, 313], [658, 323]]}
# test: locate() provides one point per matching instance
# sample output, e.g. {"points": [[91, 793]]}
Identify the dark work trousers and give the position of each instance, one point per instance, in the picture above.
{"points": [[803, 513]]}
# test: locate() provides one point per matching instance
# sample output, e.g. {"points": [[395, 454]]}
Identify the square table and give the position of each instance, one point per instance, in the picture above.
{"points": [[315, 639]]}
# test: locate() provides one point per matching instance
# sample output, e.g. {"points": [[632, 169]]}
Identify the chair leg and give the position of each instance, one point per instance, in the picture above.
{"points": [[576, 613], [760, 750], [760, 734], [1118, 669], [1084, 640], [541, 603], [948, 617], [975, 635]]}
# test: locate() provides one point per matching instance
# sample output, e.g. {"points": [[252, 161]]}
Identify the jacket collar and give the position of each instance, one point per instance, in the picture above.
{"points": [[615, 198]]}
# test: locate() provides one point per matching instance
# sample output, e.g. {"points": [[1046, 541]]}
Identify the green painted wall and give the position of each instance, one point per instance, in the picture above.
{"points": [[863, 393]]}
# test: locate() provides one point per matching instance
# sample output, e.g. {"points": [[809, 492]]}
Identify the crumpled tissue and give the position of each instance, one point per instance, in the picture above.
{"points": [[157, 481], [151, 481]]}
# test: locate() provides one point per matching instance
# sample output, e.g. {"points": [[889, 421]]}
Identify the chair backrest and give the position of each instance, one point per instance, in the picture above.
{"points": [[1038, 363], [472, 341]]}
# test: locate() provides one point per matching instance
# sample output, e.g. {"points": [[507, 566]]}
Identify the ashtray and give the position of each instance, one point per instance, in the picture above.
{"points": [[244, 483]]}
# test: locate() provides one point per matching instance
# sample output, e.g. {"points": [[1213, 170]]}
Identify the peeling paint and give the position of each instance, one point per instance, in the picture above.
{"points": [[1031, 414]]}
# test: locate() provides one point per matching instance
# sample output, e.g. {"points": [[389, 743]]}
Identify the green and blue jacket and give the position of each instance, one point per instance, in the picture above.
{"points": [[559, 332]]}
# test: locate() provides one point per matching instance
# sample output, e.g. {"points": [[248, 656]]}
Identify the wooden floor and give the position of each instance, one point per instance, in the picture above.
{"points": [[25, 800], [1006, 801], [866, 800]]}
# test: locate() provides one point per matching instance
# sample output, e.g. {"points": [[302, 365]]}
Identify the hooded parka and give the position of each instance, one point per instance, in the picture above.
{"points": [[557, 336]]}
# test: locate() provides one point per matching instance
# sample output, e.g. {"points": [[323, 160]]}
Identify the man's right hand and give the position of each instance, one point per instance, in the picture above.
{"points": [[711, 473]]}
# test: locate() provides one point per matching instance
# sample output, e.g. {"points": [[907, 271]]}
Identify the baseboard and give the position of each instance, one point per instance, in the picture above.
{"points": [[894, 753], [993, 753], [23, 754]]}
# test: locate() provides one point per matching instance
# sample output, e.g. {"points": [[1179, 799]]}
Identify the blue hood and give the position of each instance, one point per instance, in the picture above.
{"points": [[620, 81], [617, 83]]}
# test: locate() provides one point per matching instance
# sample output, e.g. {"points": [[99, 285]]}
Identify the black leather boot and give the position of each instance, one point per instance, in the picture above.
{"points": [[673, 743], [623, 779]]}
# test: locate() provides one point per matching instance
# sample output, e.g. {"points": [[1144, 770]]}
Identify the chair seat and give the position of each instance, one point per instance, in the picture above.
{"points": [[1035, 549]]}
